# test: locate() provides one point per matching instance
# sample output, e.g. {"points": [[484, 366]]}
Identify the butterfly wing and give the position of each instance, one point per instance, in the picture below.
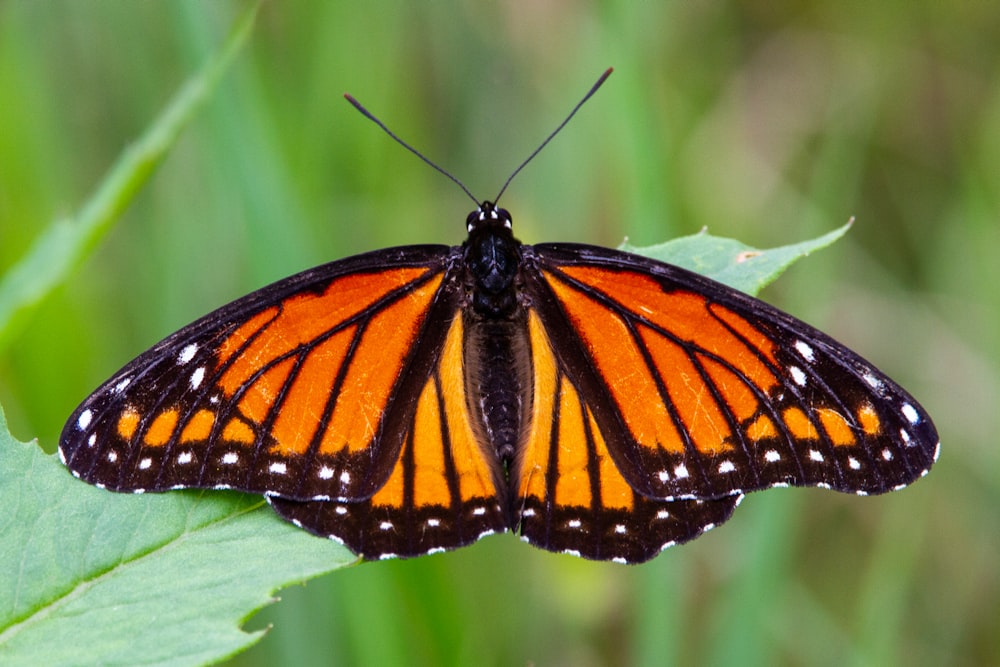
{"points": [[302, 389], [700, 391], [571, 494], [443, 490]]}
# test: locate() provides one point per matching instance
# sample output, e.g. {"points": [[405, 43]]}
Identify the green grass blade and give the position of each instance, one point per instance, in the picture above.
{"points": [[64, 245]]}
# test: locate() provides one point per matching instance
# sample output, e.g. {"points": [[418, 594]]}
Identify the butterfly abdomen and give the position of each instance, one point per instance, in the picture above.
{"points": [[496, 347], [498, 381]]}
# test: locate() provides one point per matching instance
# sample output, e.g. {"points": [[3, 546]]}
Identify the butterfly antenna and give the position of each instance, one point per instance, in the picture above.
{"points": [[370, 116], [593, 89]]}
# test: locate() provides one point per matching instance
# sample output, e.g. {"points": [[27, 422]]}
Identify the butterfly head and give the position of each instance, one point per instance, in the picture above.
{"points": [[488, 216]]}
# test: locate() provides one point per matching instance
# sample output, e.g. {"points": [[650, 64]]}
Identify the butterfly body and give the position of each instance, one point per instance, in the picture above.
{"points": [[415, 399]]}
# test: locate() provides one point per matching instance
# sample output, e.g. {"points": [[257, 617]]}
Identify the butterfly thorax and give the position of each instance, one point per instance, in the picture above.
{"points": [[496, 349], [492, 256]]}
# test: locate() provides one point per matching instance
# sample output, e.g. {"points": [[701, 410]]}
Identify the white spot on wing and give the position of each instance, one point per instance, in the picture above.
{"points": [[83, 421], [197, 377], [772, 456], [620, 529], [479, 511], [573, 523], [145, 463], [120, 387], [433, 523], [230, 458], [345, 477], [663, 514], [815, 455], [664, 476], [112, 456], [340, 509], [187, 354], [854, 463], [278, 468], [798, 377], [680, 471], [325, 472], [92, 440], [805, 350], [910, 413], [385, 525], [184, 457], [727, 466], [872, 381], [887, 454]]}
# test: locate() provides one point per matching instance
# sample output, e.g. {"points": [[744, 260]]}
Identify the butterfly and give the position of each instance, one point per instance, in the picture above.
{"points": [[415, 399]]}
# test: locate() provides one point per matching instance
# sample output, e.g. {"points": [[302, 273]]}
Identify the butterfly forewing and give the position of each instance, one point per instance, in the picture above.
{"points": [[295, 390], [703, 392]]}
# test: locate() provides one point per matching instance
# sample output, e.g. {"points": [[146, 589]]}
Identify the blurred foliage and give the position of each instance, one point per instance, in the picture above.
{"points": [[768, 122]]}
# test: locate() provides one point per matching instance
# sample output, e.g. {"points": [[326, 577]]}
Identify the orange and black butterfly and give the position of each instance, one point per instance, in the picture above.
{"points": [[414, 399]]}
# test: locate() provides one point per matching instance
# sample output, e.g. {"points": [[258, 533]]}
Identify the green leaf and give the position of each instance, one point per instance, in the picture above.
{"points": [[64, 245], [93, 577], [733, 263]]}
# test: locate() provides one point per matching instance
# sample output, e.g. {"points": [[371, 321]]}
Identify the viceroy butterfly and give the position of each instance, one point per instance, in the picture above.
{"points": [[415, 399]]}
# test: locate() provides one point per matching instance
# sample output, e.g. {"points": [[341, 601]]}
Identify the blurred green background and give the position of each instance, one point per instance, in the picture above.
{"points": [[768, 122]]}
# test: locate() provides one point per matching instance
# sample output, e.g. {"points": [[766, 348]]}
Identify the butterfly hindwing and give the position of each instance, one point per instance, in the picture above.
{"points": [[572, 496], [292, 390], [443, 491], [704, 392]]}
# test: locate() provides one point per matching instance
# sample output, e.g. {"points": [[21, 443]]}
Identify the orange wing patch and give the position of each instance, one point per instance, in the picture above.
{"points": [[128, 422], [657, 351], [447, 467], [162, 428], [620, 361], [199, 427], [582, 462], [442, 492], [310, 349]]}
